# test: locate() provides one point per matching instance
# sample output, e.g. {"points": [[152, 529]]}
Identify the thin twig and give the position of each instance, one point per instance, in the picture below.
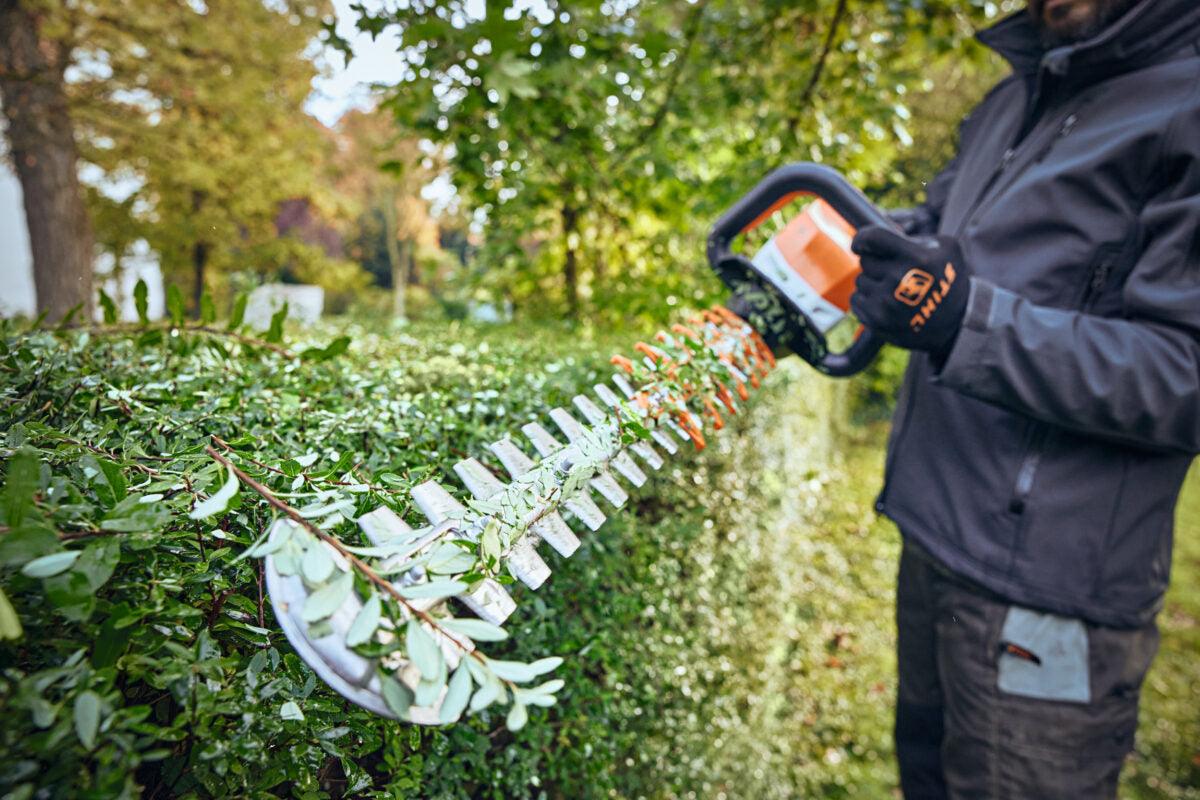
{"points": [[830, 37], [337, 545], [228, 447], [240, 338]]}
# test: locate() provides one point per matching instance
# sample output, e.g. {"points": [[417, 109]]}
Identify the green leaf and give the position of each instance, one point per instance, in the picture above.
{"points": [[87, 717], [98, 561], [515, 671], [208, 311], [544, 665], [458, 693], [488, 693], [397, 696], [20, 485], [217, 503], [110, 308], [517, 716], [433, 589], [476, 629], [110, 642], [275, 329], [423, 651], [450, 559], [430, 689], [175, 308], [52, 564], [317, 565], [365, 624], [238, 315], [140, 293], [324, 601], [291, 711], [334, 349], [10, 623]]}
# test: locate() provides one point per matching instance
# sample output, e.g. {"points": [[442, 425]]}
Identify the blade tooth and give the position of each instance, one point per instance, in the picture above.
{"points": [[624, 385], [384, 525], [625, 465], [664, 441], [591, 412], [421, 539], [512, 457], [543, 441], [489, 601], [607, 396], [597, 416], [680, 432], [602, 482], [478, 479], [610, 399], [621, 462], [526, 565], [586, 511], [648, 454], [571, 427], [437, 504], [553, 529], [609, 489]]}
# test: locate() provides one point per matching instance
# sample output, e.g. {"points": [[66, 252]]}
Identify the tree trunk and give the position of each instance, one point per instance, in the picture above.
{"points": [[199, 262], [42, 142], [395, 257], [570, 227]]}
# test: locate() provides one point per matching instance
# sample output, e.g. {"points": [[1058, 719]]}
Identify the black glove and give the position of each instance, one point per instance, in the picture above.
{"points": [[911, 220], [912, 292]]}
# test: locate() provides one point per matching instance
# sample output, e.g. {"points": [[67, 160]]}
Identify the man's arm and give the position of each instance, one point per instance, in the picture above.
{"points": [[1134, 379]]}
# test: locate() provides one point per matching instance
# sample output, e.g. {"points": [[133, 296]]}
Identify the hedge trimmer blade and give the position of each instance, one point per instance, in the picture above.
{"points": [[657, 402]]}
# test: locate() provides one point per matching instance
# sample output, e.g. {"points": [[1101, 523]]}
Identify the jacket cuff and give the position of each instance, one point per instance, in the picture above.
{"points": [[967, 360]]}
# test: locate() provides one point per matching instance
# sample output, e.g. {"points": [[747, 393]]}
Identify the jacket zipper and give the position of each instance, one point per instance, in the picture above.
{"points": [[995, 187], [1097, 279], [988, 194]]}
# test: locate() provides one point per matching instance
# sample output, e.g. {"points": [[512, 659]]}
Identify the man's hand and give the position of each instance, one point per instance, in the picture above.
{"points": [[912, 291]]}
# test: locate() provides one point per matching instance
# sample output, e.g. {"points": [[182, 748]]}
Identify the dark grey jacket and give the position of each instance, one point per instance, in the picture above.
{"points": [[1044, 458]]}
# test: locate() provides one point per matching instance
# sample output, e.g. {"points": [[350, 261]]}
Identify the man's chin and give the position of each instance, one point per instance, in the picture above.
{"points": [[1066, 22]]}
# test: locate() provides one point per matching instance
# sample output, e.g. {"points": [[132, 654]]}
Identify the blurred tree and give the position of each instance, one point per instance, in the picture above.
{"points": [[624, 128], [41, 139], [193, 113], [383, 173]]}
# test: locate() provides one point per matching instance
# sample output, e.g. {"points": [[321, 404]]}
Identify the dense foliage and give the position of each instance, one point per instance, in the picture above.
{"points": [[725, 636]]}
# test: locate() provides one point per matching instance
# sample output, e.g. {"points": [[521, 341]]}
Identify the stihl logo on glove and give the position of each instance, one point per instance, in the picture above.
{"points": [[912, 292], [913, 287], [934, 298]]}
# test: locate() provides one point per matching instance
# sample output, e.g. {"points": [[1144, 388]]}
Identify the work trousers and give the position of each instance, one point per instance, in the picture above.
{"points": [[997, 701]]}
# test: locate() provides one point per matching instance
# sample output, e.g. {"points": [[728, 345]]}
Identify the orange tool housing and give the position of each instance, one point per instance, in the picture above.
{"points": [[816, 245]]}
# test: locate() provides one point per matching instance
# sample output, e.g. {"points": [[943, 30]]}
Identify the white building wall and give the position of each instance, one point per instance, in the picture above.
{"points": [[17, 294], [16, 264]]}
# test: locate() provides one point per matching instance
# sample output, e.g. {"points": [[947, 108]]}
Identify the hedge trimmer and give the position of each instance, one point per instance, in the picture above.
{"points": [[375, 621]]}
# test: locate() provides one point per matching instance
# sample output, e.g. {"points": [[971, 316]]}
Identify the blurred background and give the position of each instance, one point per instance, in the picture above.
{"points": [[466, 207], [558, 160]]}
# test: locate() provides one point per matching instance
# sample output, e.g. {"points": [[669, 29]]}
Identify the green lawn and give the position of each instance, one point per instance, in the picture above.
{"points": [[1168, 752]]}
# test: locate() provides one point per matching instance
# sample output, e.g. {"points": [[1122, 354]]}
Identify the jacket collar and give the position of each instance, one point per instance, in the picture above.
{"points": [[1147, 32]]}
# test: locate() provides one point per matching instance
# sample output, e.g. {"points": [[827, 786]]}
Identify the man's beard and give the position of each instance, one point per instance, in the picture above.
{"points": [[1076, 20]]}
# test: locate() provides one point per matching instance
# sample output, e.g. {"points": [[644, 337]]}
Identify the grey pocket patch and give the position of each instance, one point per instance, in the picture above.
{"points": [[1060, 644]]}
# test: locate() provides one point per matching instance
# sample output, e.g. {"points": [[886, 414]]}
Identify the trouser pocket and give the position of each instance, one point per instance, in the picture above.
{"points": [[1043, 656], [1036, 705]]}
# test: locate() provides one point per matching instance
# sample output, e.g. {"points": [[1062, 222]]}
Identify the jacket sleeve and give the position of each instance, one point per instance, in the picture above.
{"points": [[1134, 379]]}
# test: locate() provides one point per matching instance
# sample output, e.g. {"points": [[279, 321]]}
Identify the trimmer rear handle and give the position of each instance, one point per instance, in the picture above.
{"points": [[777, 190]]}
